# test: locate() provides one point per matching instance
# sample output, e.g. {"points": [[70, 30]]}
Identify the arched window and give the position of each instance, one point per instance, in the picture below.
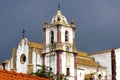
{"points": [[66, 36], [52, 36]]}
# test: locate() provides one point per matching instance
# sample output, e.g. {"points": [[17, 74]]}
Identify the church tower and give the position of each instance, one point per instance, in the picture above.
{"points": [[60, 51]]}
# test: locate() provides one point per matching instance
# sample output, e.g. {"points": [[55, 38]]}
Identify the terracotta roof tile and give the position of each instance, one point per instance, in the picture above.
{"points": [[11, 75]]}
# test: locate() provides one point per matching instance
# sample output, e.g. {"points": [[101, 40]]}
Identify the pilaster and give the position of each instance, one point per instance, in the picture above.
{"points": [[43, 59], [75, 65], [14, 59], [58, 33], [30, 65], [58, 65], [30, 55], [113, 62], [30, 68]]}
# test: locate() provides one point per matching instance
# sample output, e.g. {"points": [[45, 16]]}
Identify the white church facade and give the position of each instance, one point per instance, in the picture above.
{"points": [[58, 52], [111, 60]]}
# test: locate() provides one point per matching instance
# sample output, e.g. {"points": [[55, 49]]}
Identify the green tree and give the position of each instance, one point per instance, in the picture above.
{"points": [[44, 71]]}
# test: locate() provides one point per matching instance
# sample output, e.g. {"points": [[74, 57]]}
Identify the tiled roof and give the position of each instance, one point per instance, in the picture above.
{"points": [[11, 75], [36, 45], [104, 51], [87, 62], [87, 76], [83, 54]]}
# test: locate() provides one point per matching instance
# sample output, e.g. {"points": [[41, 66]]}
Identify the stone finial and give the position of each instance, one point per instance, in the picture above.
{"points": [[45, 25], [72, 21], [72, 24], [14, 50], [45, 22]]}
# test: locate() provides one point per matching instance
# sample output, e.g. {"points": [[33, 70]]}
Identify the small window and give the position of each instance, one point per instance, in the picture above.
{"points": [[23, 58], [68, 72], [52, 36], [66, 36], [99, 76], [50, 69]]}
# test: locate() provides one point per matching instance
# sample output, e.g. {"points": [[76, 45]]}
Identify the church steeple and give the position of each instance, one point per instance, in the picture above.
{"points": [[59, 41]]}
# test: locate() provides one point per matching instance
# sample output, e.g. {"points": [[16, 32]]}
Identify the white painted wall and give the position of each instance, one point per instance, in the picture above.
{"points": [[104, 59], [65, 63], [48, 34], [9, 65], [51, 61], [36, 60], [39, 60], [102, 72], [87, 69], [70, 31], [22, 49], [117, 53], [63, 60], [72, 70], [80, 74]]}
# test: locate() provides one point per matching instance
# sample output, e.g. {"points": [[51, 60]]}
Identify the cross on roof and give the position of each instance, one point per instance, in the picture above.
{"points": [[58, 6], [23, 32]]}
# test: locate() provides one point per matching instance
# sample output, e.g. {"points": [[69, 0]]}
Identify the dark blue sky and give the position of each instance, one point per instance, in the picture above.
{"points": [[97, 22]]}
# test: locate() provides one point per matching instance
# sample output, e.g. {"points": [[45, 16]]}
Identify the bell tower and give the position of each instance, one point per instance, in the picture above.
{"points": [[60, 51]]}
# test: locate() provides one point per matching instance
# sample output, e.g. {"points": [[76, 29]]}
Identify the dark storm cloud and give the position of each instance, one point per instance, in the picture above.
{"points": [[97, 22]]}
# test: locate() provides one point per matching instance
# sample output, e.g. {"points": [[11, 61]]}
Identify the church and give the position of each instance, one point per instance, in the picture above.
{"points": [[60, 53]]}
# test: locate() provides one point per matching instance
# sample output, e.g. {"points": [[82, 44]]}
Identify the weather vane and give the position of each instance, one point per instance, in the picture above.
{"points": [[23, 32]]}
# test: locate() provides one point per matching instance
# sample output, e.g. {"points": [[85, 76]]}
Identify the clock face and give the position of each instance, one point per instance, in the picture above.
{"points": [[23, 58]]}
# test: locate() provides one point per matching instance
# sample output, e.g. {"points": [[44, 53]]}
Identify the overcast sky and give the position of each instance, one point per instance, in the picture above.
{"points": [[97, 22]]}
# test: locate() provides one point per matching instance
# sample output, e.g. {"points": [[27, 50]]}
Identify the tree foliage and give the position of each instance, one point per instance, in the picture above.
{"points": [[44, 71]]}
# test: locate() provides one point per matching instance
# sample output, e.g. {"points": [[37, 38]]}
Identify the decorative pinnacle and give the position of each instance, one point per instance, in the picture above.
{"points": [[45, 22], [72, 21], [14, 50]]}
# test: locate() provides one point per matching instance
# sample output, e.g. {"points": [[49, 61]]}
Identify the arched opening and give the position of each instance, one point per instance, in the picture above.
{"points": [[52, 36], [66, 36]]}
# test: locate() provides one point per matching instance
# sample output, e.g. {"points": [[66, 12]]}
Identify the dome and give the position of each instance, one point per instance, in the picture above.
{"points": [[59, 18]]}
